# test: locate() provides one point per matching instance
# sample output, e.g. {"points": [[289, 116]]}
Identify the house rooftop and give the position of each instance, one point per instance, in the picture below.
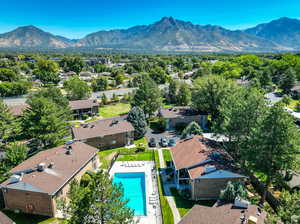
{"points": [[174, 112], [223, 214], [83, 104], [102, 127], [59, 167], [197, 154], [17, 110]]}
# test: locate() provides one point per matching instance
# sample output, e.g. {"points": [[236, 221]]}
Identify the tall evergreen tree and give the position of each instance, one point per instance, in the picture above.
{"points": [[45, 121], [193, 128], [137, 118], [8, 124]]}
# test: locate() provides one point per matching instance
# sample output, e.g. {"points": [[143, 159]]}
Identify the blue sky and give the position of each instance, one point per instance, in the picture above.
{"points": [[76, 18]]}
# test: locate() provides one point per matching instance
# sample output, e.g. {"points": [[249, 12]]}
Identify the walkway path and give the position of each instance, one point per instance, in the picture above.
{"points": [[166, 187]]}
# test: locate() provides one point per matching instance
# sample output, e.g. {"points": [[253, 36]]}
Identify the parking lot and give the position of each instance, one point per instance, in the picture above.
{"points": [[158, 136]]}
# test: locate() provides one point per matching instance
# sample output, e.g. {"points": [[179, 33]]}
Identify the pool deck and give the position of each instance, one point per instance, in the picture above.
{"points": [[152, 195]]}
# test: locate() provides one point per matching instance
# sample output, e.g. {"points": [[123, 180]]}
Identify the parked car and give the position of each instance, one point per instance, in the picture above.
{"points": [[152, 142], [172, 142], [163, 142]]}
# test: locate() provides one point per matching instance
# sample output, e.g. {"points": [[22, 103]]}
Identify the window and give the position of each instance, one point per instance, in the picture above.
{"points": [[113, 142]]}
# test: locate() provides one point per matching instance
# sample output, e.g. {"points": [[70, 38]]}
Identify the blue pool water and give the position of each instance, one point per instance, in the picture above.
{"points": [[134, 191]]}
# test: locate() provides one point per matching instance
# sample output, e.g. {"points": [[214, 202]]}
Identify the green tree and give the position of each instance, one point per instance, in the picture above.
{"points": [[233, 190], [172, 91], [289, 210], [240, 113], [47, 71], [8, 75], [119, 79], [158, 75], [104, 99], [46, 121], [209, 93], [184, 95], [15, 153], [77, 89], [100, 84], [115, 97], [288, 80], [137, 118], [228, 70], [8, 124], [193, 128], [74, 64], [147, 96], [100, 202], [273, 145]]}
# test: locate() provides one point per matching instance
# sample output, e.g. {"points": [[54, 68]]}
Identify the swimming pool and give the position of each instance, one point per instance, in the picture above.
{"points": [[134, 191]]}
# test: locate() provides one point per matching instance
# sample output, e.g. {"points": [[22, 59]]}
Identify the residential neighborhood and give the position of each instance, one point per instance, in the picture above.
{"points": [[170, 122]]}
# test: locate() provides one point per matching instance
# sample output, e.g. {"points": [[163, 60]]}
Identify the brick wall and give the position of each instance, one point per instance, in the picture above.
{"points": [[209, 188], [110, 141]]}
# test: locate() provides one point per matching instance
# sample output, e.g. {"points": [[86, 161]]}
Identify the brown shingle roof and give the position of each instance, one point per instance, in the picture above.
{"points": [[225, 214], [178, 112], [17, 110], [65, 167], [193, 151], [4, 219], [83, 104], [102, 128], [188, 152]]}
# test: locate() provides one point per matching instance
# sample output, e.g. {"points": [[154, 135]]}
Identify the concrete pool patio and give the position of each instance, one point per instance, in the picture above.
{"points": [[152, 196]]}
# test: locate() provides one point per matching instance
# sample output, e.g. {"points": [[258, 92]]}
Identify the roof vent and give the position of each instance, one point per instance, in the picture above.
{"points": [[209, 169], [15, 178], [69, 150], [41, 167], [114, 122], [94, 101], [240, 203], [51, 165]]}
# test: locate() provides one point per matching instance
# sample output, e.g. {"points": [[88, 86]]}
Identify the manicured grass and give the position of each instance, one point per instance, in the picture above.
{"points": [[184, 205], [167, 213], [128, 154], [167, 155], [114, 110], [142, 156], [22, 218]]}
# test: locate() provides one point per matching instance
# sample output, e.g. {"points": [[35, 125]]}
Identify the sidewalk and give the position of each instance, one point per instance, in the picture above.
{"points": [[167, 191]]}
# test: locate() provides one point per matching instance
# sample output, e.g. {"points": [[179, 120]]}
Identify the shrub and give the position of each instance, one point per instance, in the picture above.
{"points": [[233, 190]]}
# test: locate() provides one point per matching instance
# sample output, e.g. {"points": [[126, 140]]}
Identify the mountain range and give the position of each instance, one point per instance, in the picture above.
{"points": [[168, 34]]}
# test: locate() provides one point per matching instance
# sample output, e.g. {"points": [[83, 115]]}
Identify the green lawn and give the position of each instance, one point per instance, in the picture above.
{"points": [[128, 154], [184, 205], [22, 218], [142, 156], [167, 155], [114, 110]]}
